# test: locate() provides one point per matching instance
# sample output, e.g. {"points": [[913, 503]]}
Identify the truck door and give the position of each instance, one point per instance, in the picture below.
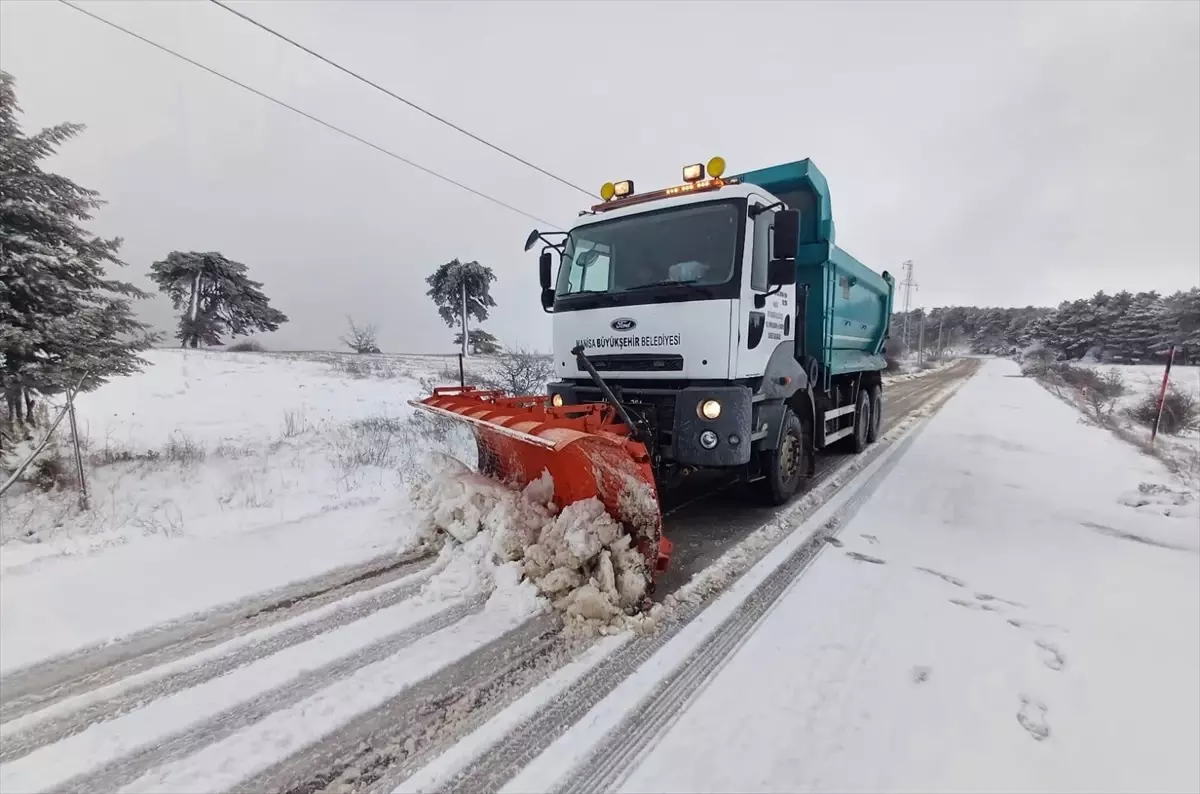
{"points": [[763, 328]]}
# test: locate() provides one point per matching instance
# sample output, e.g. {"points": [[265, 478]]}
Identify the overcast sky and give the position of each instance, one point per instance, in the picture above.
{"points": [[1018, 153]]}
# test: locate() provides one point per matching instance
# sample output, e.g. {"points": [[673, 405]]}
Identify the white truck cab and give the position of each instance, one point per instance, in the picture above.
{"points": [[663, 290], [683, 305]]}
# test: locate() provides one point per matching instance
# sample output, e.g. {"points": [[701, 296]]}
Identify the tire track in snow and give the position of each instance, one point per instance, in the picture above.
{"points": [[427, 713], [623, 746], [504, 760], [72, 722], [709, 517], [126, 769], [32, 688], [382, 734]]}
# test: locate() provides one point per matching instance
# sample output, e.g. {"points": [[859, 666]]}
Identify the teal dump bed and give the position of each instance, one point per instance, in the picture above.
{"points": [[848, 304]]}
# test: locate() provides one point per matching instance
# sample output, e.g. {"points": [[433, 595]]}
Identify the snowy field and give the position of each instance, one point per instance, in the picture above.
{"points": [[1182, 449], [214, 475]]}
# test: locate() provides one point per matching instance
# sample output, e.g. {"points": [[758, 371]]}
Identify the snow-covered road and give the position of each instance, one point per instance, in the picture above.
{"points": [[983, 601], [992, 617]]}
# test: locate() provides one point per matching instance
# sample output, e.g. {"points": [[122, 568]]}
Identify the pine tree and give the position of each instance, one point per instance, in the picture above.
{"points": [[1181, 326], [480, 342], [1132, 336], [446, 290], [216, 297], [62, 320]]}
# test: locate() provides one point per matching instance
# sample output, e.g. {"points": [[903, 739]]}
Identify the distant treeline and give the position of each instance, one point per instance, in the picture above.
{"points": [[1124, 328]]}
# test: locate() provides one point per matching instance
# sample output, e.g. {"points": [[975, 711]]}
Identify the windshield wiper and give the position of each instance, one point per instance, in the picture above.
{"points": [[691, 285]]}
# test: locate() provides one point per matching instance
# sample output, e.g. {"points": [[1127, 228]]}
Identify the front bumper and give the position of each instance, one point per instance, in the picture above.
{"points": [[673, 413]]}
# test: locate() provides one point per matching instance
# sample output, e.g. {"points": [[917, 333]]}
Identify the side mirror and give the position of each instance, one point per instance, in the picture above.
{"points": [[787, 234], [547, 299], [532, 239], [545, 262], [781, 272]]}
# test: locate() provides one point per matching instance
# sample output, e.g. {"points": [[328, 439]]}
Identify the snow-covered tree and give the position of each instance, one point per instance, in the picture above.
{"points": [[1133, 335], [361, 338], [446, 290], [1181, 325], [216, 297], [62, 319], [480, 342]]}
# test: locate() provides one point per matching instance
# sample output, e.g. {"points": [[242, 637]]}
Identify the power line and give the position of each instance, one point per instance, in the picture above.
{"points": [[306, 115], [399, 98]]}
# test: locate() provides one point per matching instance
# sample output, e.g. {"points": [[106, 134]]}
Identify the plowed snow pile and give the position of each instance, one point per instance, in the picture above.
{"points": [[508, 542]]}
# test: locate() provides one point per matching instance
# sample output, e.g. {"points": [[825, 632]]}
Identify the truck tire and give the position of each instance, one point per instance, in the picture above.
{"points": [[785, 468], [862, 422], [876, 414]]}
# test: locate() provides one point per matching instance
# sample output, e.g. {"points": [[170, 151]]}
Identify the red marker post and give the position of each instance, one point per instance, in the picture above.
{"points": [[1162, 394]]}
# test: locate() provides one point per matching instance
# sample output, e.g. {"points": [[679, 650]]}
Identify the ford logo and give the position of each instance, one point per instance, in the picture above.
{"points": [[623, 324]]}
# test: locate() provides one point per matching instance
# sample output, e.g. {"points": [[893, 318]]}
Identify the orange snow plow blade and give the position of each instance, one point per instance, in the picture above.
{"points": [[586, 449]]}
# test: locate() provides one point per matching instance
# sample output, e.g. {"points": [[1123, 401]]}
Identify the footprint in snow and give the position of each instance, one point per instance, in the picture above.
{"points": [[989, 597], [870, 539], [943, 576], [1032, 717], [1030, 624], [865, 558], [832, 541], [1054, 658], [920, 674], [975, 605]]}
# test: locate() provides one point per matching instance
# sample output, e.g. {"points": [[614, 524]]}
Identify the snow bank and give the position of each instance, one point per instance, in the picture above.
{"points": [[517, 545]]}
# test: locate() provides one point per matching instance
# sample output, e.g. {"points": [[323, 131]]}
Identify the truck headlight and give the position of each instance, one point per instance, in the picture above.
{"points": [[557, 401], [709, 409], [708, 439]]}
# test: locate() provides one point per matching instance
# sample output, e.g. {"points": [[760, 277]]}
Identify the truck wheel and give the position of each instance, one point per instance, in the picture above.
{"points": [[786, 467], [862, 421], [876, 414]]}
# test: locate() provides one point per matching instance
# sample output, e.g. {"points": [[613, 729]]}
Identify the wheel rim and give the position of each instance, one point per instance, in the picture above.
{"points": [[789, 457]]}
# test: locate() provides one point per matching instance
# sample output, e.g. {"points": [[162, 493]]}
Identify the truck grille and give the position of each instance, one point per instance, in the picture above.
{"points": [[637, 362], [657, 409]]}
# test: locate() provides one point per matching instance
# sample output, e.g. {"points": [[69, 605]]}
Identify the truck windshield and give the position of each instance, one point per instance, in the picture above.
{"points": [[694, 245]]}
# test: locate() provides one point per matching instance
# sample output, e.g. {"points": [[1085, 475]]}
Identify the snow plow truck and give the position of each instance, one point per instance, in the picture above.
{"points": [[713, 324]]}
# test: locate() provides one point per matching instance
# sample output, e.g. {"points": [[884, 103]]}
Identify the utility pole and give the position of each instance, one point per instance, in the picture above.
{"points": [[941, 322], [921, 342], [909, 285]]}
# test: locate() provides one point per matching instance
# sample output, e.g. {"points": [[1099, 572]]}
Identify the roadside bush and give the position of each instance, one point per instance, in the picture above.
{"points": [[294, 423], [51, 470], [520, 372], [893, 361], [1180, 413], [1038, 361], [247, 346], [1101, 396], [365, 366], [185, 450], [1108, 384]]}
